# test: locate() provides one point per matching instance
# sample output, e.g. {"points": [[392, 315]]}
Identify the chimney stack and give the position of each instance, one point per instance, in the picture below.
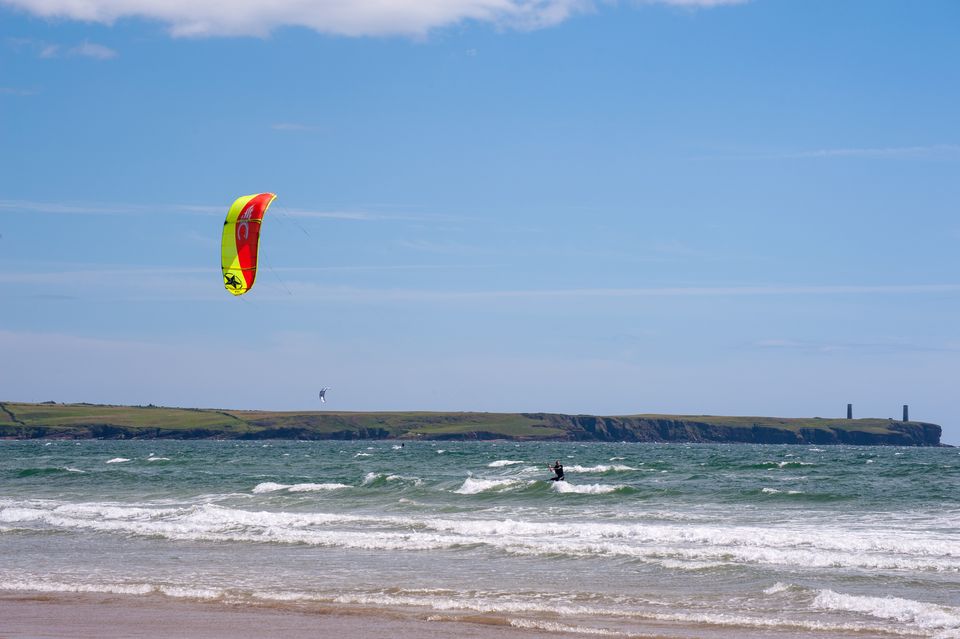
{"points": [[849, 411], [906, 413]]}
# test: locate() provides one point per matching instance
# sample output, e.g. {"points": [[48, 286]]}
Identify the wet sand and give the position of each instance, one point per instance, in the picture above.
{"points": [[96, 616]]}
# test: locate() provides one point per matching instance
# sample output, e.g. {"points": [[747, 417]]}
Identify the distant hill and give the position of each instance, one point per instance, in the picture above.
{"points": [[78, 421]]}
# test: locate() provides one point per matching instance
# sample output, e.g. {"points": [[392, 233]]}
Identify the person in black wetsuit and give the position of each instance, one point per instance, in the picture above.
{"points": [[557, 468]]}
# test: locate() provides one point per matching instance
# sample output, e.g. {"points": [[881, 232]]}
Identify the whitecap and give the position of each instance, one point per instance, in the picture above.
{"points": [[118, 460], [472, 486], [584, 489], [927, 616], [269, 487], [777, 588], [600, 468], [503, 462]]}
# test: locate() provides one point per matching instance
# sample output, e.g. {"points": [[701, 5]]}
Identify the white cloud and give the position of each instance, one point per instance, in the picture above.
{"points": [[49, 50], [929, 151], [70, 208], [93, 50], [194, 18], [294, 127], [17, 91]]}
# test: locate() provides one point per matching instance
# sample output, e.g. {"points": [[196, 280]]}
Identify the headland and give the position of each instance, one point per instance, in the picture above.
{"points": [[82, 421]]}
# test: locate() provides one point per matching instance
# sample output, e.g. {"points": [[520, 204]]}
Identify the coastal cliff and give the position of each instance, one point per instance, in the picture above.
{"points": [[752, 430], [78, 421]]}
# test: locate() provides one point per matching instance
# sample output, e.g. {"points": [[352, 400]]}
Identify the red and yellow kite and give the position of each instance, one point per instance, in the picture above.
{"points": [[241, 241]]}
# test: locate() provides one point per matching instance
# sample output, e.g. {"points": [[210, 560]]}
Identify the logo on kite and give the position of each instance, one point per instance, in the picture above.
{"points": [[231, 282], [241, 241]]}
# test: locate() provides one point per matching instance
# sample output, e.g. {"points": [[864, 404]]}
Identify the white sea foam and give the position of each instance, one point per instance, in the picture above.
{"points": [[362, 455], [59, 586], [153, 459], [44, 585], [554, 627], [503, 462], [685, 542], [600, 468], [923, 615], [472, 485], [777, 588], [269, 487], [117, 460], [584, 489], [445, 601], [70, 469]]}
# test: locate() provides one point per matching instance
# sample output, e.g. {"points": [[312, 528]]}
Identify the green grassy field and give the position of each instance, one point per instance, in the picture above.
{"points": [[20, 420]]}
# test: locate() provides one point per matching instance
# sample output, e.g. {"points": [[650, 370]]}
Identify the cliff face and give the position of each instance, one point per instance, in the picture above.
{"points": [[639, 429]]}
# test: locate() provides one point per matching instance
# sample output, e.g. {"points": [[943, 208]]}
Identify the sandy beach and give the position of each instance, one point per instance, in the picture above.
{"points": [[95, 616]]}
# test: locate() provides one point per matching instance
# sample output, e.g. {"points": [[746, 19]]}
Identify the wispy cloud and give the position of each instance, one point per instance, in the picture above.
{"points": [[887, 346], [92, 50], [204, 282], [67, 208], [309, 290], [444, 248], [50, 50], [927, 151], [294, 127], [356, 18], [80, 208], [17, 91]]}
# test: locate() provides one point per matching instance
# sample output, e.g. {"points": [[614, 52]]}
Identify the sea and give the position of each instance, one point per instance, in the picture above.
{"points": [[669, 540]]}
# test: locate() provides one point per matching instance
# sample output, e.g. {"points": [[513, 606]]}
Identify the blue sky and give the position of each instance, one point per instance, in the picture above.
{"points": [[697, 207]]}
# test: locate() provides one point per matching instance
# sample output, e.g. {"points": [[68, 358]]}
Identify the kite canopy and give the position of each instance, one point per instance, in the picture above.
{"points": [[241, 240]]}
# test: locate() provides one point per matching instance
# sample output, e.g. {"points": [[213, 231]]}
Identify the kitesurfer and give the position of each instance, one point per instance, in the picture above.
{"points": [[557, 468]]}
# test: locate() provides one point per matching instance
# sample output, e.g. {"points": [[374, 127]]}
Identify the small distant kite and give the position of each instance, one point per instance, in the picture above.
{"points": [[323, 394], [241, 241]]}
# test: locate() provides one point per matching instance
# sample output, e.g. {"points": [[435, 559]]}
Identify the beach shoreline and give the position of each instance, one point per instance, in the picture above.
{"points": [[33, 615]]}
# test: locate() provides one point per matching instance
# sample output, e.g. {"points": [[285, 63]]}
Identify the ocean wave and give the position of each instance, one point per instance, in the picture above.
{"points": [[781, 464], [600, 468], [552, 614], [117, 460], [585, 489], [43, 585], [554, 627], [473, 485], [503, 462], [923, 615], [381, 479], [665, 544], [443, 601], [777, 588], [269, 487]]}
